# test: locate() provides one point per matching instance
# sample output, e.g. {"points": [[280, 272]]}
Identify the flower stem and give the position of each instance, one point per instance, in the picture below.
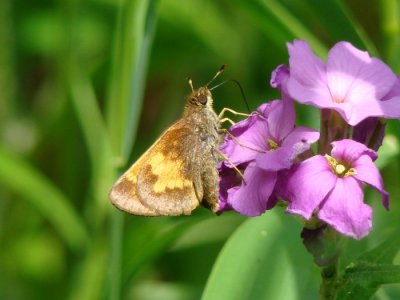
{"points": [[323, 243], [332, 128], [329, 276]]}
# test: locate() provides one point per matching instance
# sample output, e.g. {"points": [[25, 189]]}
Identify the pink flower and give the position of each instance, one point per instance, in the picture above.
{"points": [[264, 144], [331, 187], [351, 82]]}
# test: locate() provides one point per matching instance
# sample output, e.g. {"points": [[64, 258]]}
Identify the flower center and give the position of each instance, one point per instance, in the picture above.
{"points": [[338, 168], [272, 144], [337, 99]]}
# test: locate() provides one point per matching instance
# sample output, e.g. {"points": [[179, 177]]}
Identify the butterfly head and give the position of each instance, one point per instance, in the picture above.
{"points": [[200, 98]]}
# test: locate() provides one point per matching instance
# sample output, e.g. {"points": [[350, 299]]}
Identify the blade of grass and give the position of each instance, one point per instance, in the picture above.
{"points": [[329, 14], [96, 137], [187, 16], [294, 25], [390, 10], [360, 31], [88, 278], [32, 186], [7, 68], [135, 33], [268, 24]]}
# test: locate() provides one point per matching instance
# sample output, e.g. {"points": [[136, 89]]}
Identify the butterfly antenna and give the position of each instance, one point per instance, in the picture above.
{"points": [[190, 83], [240, 87], [222, 69]]}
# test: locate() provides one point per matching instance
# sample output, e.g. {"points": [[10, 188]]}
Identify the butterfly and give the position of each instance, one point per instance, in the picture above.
{"points": [[179, 171]]}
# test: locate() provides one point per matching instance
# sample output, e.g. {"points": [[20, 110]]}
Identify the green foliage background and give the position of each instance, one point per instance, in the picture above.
{"points": [[87, 85]]}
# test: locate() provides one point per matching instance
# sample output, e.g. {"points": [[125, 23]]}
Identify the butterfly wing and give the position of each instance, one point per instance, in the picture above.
{"points": [[124, 192], [166, 179]]}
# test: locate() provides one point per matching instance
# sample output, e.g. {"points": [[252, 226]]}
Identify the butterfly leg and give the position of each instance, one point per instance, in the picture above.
{"points": [[226, 120], [226, 109], [226, 131], [226, 158]]}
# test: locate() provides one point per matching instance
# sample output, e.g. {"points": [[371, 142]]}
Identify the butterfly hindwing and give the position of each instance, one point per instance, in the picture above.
{"points": [[166, 179], [124, 192]]}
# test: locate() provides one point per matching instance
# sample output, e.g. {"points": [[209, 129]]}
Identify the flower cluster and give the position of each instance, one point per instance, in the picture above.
{"points": [[355, 93]]}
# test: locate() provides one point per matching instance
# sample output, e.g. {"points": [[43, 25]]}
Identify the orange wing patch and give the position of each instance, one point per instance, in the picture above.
{"points": [[169, 173], [163, 181]]}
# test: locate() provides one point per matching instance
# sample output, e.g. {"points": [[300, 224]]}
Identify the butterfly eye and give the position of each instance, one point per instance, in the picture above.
{"points": [[202, 99]]}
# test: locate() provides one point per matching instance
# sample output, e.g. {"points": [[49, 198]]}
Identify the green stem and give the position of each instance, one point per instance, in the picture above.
{"points": [[329, 276], [324, 244], [332, 128], [135, 33], [114, 272]]}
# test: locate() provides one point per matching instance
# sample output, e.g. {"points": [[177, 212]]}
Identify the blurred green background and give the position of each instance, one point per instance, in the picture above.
{"points": [[87, 85]]}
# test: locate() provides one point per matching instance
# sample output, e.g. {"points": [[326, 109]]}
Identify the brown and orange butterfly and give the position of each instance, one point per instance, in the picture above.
{"points": [[179, 171]]}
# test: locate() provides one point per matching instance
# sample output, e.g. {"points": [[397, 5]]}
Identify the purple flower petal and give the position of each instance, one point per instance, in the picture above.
{"points": [[251, 199], [281, 119], [352, 83], [295, 143], [229, 181], [279, 76], [367, 172], [308, 185], [394, 92], [353, 76], [389, 109], [275, 160], [307, 82], [370, 132], [344, 209], [279, 80], [252, 133], [349, 150], [300, 138]]}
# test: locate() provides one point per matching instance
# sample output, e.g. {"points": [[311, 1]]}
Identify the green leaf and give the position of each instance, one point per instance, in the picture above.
{"points": [[264, 255], [384, 253], [32, 186], [388, 151], [362, 278]]}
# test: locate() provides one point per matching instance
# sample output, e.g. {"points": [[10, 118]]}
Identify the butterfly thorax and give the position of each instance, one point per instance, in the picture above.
{"points": [[200, 114]]}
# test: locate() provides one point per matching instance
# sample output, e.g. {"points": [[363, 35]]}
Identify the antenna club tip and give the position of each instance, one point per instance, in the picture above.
{"points": [[190, 83]]}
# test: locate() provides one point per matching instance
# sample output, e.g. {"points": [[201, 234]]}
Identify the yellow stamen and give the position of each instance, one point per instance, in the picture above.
{"points": [[272, 145], [339, 169]]}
